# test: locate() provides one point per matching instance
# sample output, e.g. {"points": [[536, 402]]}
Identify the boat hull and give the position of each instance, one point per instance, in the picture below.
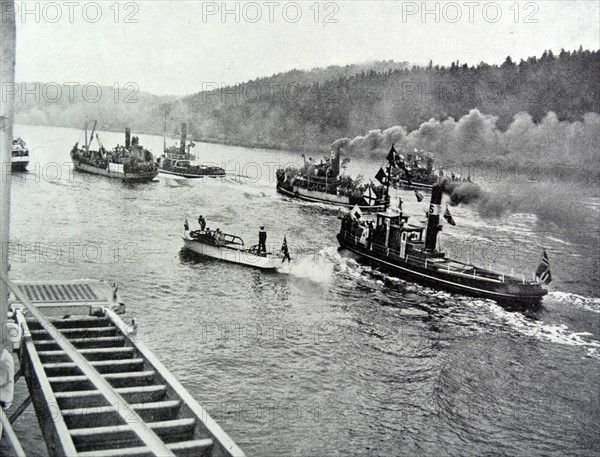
{"points": [[115, 174], [512, 294], [191, 175], [232, 255], [324, 198]]}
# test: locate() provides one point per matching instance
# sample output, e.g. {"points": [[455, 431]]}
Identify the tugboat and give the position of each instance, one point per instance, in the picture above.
{"points": [[177, 160], [322, 183], [409, 251], [413, 174], [131, 163], [20, 155], [231, 248]]}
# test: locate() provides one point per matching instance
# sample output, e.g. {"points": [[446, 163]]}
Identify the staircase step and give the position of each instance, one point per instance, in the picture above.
{"points": [[193, 448], [109, 415], [89, 398], [103, 366], [81, 382], [119, 436], [108, 353], [79, 332], [79, 321], [83, 343]]}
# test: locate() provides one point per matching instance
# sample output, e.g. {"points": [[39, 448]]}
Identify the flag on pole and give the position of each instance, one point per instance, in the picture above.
{"points": [[382, 176], [356, 213], [369, 195], [543, 270], [285, 251], [449, 217], [419, 196], [392, 157]]}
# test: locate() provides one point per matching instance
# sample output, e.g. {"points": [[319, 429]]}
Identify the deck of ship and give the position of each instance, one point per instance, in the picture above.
{"points": [[97, 391]]}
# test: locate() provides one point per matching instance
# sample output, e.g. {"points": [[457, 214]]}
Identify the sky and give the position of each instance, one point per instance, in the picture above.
{"points": [[179, 47]]}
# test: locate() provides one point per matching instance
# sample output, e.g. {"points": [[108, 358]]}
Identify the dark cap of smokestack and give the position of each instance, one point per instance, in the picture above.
{"points": [[127, 137]]}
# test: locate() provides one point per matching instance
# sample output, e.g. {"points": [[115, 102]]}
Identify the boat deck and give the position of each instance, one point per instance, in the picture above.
{"points": [[98, 391]]}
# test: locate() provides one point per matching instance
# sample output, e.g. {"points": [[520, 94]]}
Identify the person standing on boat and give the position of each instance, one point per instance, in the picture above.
{"points": [[201, 222], [262, 240]]}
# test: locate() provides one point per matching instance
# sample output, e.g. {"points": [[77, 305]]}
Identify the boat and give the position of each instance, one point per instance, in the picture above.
{"points": [[178, 161], [323, 183], [230, 248], [408, 251], [20, 155], [131, 162]]}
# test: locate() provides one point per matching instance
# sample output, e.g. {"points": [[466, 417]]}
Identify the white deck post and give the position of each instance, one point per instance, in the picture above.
{"points": [[7, 79]]}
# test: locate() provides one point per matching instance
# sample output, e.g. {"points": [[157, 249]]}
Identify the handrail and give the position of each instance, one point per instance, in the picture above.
{"points": [[131, 418], [11, 436]]}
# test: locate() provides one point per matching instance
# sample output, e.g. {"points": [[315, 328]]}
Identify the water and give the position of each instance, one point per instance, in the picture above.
{"points": [[328, 357]]}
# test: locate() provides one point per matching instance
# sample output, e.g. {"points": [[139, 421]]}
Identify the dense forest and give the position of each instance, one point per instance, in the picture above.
{"points": [[309, 110]]}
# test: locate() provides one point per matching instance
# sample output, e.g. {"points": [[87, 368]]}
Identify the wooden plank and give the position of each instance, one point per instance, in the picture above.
{"points": [[193, 446]]}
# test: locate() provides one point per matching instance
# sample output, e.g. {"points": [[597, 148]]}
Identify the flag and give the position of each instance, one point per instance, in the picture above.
{"points": [[115, 296], [186, 226], [356, 213], [449, 217], [369, 196], [285, 251], [192, 144], [543, 270], [382, 176], [419, 196], [392, 157]]}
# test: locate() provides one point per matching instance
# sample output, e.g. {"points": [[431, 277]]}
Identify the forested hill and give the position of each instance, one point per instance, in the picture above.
{"points": [[308, 110]]}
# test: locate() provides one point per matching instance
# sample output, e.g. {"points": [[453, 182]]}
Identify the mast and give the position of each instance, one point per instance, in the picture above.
{"points": [[85, 135], [183, 138], [92, 134], [8, 39]]}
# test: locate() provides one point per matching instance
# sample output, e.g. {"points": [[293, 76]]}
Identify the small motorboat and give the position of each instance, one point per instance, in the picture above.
{"points": [[231, 248]]}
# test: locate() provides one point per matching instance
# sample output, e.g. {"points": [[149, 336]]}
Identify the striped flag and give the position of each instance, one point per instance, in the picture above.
{"points": [[543, 270], [449, 217]]}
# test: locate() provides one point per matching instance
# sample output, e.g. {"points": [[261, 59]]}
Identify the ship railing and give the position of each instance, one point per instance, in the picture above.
{"points": [[129, 415]]}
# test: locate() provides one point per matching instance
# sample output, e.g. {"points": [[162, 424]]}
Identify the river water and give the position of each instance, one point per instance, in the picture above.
{"points": [[327, 358]]}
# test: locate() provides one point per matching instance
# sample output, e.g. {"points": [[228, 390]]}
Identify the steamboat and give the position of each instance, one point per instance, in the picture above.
{"points": [[20, 155], [131, 162], [323, 183], [177, 160], [395, 246]]}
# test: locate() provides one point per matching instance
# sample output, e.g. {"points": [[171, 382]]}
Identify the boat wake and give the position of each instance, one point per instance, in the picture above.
{"points": [[317, 268], [587, 303], [555, 333]]}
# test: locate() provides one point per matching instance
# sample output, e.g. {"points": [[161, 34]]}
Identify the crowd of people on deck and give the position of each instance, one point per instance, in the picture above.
{"points": [[134, 159]]}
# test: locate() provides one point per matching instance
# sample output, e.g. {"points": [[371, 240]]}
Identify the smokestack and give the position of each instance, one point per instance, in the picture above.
{"points": [[335, 162], [433, 219], [183, 138], [127, 137]]}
